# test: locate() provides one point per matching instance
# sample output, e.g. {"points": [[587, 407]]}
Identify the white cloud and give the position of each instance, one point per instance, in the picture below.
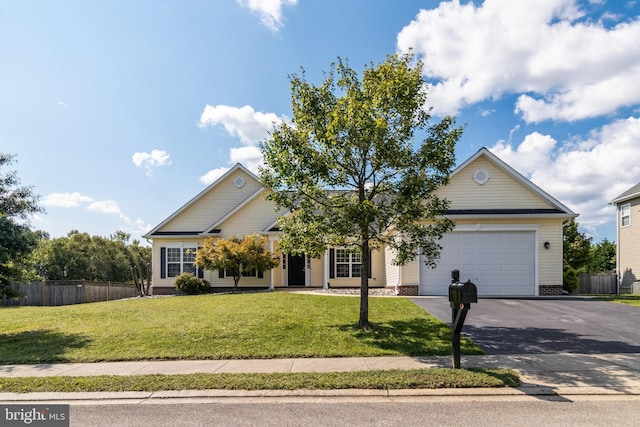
{"points": [[245, 123], [152, 160], [270, 11], [565, 67], [584, 174], [105, 206], [66, 200], [212, 175], [250, 157]]}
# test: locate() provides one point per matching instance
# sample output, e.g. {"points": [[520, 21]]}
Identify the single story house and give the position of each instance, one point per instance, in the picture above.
{"points": [[628, 238], [507, 239]]}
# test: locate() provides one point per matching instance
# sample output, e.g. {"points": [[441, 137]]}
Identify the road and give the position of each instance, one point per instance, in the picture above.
{"points": [[519, 411]]}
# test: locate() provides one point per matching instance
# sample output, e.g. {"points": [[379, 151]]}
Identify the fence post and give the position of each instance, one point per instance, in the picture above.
{"points": [[42, 301], [108, 288]]}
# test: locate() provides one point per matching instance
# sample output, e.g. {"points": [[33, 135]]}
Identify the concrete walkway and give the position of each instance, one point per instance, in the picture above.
{"points": [[540, 374]]}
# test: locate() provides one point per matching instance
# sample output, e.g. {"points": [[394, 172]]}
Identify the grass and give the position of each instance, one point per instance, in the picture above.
{"points": [[256, 325], [623, 299], [377, 380]]}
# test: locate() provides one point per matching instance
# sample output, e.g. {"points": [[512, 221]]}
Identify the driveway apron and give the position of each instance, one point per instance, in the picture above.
{"points": [[545, 325]]}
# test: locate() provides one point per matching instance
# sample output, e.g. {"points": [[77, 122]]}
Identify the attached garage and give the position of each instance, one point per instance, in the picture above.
{"points": [[499, 262]]}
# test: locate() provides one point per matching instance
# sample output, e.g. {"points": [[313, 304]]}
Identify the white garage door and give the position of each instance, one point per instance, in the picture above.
{"points": [[498, 262]]}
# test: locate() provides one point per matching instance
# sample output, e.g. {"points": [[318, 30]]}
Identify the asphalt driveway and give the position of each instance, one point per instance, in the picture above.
{"points": [[546, 325]]}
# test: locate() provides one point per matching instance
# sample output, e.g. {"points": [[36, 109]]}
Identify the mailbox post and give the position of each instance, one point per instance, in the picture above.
{"points": [[461, 295]]}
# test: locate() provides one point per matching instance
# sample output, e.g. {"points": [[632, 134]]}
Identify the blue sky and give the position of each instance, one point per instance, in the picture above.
{"points": [[119, 112]]}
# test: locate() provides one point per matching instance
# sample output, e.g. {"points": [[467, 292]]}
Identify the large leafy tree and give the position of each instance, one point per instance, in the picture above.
{"points": [[238, 257], [576, 247], [17, 240], [603, 256], [349, 170], [79, 256]]}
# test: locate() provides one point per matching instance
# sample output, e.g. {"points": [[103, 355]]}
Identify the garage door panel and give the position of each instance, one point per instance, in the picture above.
{"points": [[498, 262]]}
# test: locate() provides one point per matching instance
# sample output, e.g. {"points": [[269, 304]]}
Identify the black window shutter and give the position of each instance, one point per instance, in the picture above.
{"points": [[370, 264], [221, 274], [200, 270], [260, 274], [332, 262], [163, 263]]}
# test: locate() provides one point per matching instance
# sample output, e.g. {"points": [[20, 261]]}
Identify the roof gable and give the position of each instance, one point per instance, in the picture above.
{"points": [[210, 205], [486, 184]]}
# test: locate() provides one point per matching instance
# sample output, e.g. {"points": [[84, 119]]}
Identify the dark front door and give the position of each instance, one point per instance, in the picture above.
{"points": [[296, 270]]}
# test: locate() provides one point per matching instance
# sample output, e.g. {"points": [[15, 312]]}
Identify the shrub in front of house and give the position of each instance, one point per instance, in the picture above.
{"points": [[189, 284]]}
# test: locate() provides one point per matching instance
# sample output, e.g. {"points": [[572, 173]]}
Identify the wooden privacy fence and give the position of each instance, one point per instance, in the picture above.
{"points": [[70, 292], [597, 284]]}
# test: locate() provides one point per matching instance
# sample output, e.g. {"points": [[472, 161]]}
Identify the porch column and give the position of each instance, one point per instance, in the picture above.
{"points": [[271, 246], [325, 281]]}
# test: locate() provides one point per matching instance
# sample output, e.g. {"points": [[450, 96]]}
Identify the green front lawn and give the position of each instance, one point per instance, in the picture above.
{"points": [[255, 325]]}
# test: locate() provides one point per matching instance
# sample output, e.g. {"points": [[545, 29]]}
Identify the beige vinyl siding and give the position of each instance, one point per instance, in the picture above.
{"points": [[629, 246], [317, 272], [392, 272], [217, 202], [253, 217], [500, 191], [550, 260], [411, 272]]}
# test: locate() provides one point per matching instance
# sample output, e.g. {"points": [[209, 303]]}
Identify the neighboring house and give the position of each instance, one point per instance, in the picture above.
{"points": [[507, 239], [628, 238]]}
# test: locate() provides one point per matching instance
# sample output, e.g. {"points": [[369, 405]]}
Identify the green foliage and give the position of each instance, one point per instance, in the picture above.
{"points": [[79, 256], [17, 240], [349, 170], [570, 280], [239, 257], [190, 284], [602, 257], [576, 246]]}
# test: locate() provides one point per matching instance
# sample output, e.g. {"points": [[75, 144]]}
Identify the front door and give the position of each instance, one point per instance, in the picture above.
{"points": [[296, 270]]}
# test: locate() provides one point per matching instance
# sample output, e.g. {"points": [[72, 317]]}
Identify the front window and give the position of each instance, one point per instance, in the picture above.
{"points": [[181, 260], [625, 215], [348, 264]]}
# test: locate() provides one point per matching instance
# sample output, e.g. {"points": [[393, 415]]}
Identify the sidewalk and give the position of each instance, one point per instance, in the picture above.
{"points": [[540, 374]]}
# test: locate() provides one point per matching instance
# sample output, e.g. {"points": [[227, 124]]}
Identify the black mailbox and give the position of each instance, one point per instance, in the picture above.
{"points": [[461, 296], [462, 293]]}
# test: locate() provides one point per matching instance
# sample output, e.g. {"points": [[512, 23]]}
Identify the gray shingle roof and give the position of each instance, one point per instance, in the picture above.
{"points": [[629, 194]]}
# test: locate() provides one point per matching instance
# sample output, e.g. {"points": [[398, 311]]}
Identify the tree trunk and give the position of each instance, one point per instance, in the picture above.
{"points": [[364, 286]]}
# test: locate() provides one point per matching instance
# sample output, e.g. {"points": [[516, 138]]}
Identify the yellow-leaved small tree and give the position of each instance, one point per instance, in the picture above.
{"points": [[238, 257]]}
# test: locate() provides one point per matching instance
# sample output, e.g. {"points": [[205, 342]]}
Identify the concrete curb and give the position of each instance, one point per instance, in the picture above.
{"points": [[147, 397]]}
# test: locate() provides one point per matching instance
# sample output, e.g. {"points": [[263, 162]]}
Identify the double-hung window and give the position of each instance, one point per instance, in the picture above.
{"points": [[625, 215], [348, 264], [181, 260]]}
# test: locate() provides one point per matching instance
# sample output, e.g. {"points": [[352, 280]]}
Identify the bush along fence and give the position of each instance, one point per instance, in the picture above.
{"points": [[67, 292]]}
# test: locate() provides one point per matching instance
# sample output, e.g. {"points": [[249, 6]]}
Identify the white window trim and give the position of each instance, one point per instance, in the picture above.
{"points": [[182, 248], [626, 207], [350, 263]]}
